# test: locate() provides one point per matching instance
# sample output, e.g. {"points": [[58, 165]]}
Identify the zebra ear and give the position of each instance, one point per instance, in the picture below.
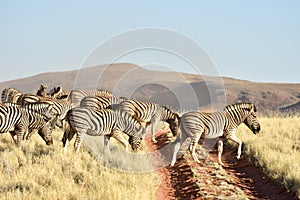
{"points": [[177, 117], [252, 108]]}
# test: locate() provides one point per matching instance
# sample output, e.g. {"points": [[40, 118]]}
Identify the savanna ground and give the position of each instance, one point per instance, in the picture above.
{"points": [[270, 164]]}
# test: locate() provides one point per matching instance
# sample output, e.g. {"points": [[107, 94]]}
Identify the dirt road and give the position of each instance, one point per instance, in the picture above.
{"points": [[207, 180]]}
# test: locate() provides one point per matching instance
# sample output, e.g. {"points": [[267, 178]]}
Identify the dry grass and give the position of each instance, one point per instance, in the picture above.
{"points": [[38, 171], [276, 149]]}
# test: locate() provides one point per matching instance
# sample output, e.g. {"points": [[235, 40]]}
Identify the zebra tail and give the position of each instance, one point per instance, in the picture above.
{"points": [[179, 137]]}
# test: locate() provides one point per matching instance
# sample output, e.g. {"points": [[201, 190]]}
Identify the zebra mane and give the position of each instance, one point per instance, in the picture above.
{"points": [[244, 106], [166, 108], [174, 114]]}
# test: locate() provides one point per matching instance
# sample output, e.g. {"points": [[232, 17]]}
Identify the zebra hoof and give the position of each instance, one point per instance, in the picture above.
{"points": [[49, 143], [154, 141], [221, 163]]}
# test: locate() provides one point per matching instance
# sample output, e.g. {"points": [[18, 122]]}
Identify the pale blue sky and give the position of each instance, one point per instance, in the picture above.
{"points": [[252, 40]]}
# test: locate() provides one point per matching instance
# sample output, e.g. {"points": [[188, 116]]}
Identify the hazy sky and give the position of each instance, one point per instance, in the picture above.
{"points": [[253, 40]]}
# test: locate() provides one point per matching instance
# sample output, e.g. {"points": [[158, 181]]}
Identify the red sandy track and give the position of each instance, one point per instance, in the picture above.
{"points": [[254, 183], [178, 182]]}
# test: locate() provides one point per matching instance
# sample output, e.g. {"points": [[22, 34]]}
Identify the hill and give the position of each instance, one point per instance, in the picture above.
{"points": [[181, 91]]}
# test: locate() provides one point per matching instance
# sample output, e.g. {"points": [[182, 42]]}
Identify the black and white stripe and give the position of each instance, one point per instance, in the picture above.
{"points": [[199, 125], [109, 123], [18, 120], [10, 95], [100, 103], [77, 95], [151, 114], [60, 106]]}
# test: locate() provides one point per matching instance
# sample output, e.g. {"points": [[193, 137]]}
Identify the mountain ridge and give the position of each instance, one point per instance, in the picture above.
{"points": [[168, 88]]}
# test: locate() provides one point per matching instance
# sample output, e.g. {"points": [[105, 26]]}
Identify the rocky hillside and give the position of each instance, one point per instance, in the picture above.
{"points": [[181, 91]]}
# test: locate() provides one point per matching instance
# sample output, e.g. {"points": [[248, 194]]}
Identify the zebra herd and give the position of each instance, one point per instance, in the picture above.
{"points": [[101, 113]]}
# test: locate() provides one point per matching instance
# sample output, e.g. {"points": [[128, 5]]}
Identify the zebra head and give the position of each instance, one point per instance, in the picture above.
{"points": [[251, 120], [47, 111], [42, 90], [54, 92], [132, 128], [135, 142], [46, 131]]}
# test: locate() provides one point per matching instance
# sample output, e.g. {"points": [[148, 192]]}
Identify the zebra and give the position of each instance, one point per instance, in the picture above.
{"points": [[42, 91], [44, 110], [60, 106], [100, 103], [106, 122], [10, 95], [199, 125], [78, 94], [17, 120], [151, 114]]}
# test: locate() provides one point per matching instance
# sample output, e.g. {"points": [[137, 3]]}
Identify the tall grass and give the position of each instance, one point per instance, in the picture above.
{"points": [[37, 171], [276, 148]]}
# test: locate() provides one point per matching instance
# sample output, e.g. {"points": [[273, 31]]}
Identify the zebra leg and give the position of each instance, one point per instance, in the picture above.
{"points": [[14, 136], [30, 133], [154, 123], [176, 149], [193, 144], [147, 126], [46, 134], [78, 140], [66, 146], [106, 141], [180, 139], [117, 134], [20, 134], [220, 151], [234, 138]]}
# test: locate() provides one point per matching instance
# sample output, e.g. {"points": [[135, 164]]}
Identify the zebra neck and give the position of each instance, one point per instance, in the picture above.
{"points": [[127, 123], [165, 114], [237, 116], [130, 127]]}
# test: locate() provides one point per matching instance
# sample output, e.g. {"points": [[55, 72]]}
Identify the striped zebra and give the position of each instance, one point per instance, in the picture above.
{"points": [[151, 114], [107, 122], [10, 95], [60, 107], [100, 103], [78, 94], [17, 120], [199, 125]]}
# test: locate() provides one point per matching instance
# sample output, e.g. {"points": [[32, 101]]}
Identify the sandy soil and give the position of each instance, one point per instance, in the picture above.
{"points": [[207, 180]]}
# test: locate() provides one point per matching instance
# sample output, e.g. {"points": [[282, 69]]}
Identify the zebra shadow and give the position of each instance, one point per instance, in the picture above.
{"points": [[181, 175], [182, 181]]}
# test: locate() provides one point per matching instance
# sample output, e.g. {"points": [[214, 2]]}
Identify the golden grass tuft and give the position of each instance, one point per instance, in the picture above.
{"points": [[276, 149], [37, 171]]}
